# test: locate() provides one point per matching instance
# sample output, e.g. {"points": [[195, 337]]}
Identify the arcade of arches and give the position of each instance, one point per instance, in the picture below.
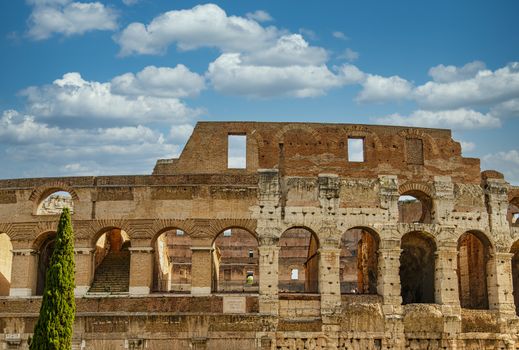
{"points": [[410, 246]]}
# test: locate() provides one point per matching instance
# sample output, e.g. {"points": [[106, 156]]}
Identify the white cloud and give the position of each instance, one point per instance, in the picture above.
{"points": [[449, 74], [180, 133], [467, 146], [506, 162], [202, 26], [349, 55], [100, 150], [130, 2], [339, 35], [288, 50], [259, 16], [378, 89], [453, 119], [507, 109], [484, 88], [231, 75], [72, 96], [50, 17], [161, 82]]}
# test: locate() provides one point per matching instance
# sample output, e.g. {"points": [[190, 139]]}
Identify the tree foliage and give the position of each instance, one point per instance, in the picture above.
{"points": [[53, 330]]}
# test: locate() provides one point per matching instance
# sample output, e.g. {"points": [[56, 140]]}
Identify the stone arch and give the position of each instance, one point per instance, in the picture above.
{"points": [[279, 136], [416, 133], [235, 260], [474, 249], [419, 210], [99, 227], [361, 132], [172, 259], [299, 245], [111, 260], [40, 194], [218, 226], [6, 263], [359, 261], [513, 211], [417, 265], [44, 244]]}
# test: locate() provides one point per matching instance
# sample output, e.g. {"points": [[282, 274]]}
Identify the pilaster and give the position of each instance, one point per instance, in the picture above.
{"points": [[141, 270]]}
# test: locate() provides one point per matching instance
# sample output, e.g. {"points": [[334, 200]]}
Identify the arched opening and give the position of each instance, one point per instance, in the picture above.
{"points": [[6, 263], [417, 262], [172, 263], [473, 256], [54, 203], [298, 261], [513, 212], [45, 253], [515, 274], [111, 262], [359, 261], [235, 262], [414, 207]]}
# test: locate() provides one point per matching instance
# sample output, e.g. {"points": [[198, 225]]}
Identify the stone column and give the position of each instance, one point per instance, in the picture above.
{"points": [[141, 270], [201, 270], [24, 273], [388, 279], [499, 280], [268, 279], [446, 277], [329, 284], [84, 270], [446, 289]]}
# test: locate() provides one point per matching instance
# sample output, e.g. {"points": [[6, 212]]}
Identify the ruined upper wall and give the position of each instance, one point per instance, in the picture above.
{"points": [[307, 149]]}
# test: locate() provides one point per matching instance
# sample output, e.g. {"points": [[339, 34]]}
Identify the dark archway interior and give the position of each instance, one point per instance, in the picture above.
{"points": [[415, 206], [515, 275], [417, 262], [472, 271], [358, 262], [298, 251], [46, 250]]}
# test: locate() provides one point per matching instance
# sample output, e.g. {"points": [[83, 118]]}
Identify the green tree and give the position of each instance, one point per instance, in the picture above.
{"points": [[53, 330]]}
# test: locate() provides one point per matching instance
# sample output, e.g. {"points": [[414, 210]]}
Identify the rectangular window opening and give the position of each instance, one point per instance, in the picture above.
{"points": [[237, 152], [251, 253], [355, 149], [294, 274], [227, 233]]}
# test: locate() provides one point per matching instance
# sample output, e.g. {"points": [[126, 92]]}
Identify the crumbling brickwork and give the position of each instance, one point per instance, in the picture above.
{"points": [[373, 272]]}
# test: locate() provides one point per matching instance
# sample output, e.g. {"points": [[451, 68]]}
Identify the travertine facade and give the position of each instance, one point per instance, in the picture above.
{"points": [[336, 261]]}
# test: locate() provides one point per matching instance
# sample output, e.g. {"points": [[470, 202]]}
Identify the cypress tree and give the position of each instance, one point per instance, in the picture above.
{"points": [[53, 331]]}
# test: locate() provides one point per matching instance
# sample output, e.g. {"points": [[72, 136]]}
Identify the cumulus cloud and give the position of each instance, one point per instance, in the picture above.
{"points": [[449, 74], [259, 16], [73, 97], [130, 2], [288, 50], [506, 162], [202, 26], [174, 82], [50, 149], [230, 74], [69, 18], [339, 35], [349, 55], [452, 119], [486, 87], [378, 89]]}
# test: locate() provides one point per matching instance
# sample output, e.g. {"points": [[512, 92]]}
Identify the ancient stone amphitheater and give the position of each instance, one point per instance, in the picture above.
{"points": [[309, 236]]}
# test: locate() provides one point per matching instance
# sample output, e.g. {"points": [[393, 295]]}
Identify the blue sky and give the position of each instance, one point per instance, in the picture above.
{"points": [[108, 87]]}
